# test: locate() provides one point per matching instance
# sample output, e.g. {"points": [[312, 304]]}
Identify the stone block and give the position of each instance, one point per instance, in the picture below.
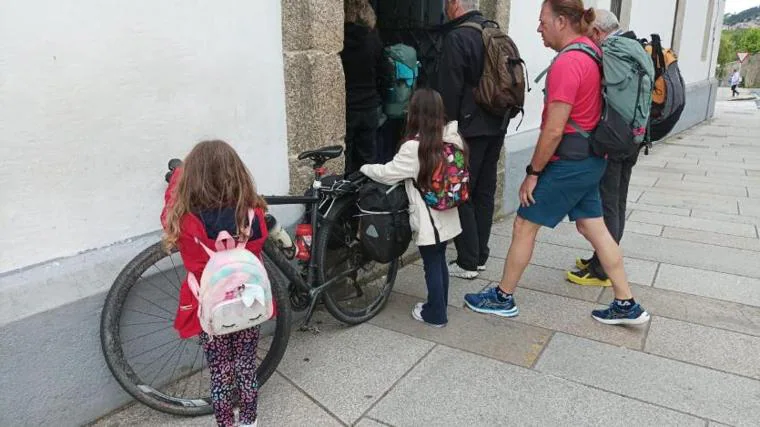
{"points": [[714, 226], [701, 345], [643, 228], [687, 388], [701, 187], [747, 243], [741, 219], [711, 284], [497, 337], [312, 25], [369, 361], [684, 201], [454, 388], [712, 312], [656, 208]]}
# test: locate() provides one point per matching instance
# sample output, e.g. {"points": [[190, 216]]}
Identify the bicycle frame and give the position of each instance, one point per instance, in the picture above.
{"points": [[284, 265]]}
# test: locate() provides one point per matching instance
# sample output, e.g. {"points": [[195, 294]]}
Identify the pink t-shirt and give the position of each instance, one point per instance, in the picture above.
{"points": [[575, 79]]}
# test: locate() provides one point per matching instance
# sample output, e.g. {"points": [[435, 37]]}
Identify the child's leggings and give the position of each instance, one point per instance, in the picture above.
{"points": [[232, 362]]}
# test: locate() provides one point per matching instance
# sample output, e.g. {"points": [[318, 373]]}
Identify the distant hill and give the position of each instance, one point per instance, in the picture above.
{"points": [[749, 18]]}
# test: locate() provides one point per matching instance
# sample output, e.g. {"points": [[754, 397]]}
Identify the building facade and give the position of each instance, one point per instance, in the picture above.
{"points": [[98, 95]]}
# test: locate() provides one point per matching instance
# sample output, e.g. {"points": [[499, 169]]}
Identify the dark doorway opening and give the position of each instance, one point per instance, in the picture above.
{"points": [[419, 24]]}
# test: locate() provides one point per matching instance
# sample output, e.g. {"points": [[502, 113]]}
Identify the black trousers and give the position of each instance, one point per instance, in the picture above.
{"points": [[476, 216], [614, 191], [734, 92], [361, 135]]}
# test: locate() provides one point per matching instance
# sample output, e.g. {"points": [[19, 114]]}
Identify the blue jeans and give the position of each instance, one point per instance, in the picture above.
{"points": [[437, 280]]}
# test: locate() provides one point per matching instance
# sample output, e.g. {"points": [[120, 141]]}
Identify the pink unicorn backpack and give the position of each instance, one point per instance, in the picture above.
{"points": [[234, 292]]}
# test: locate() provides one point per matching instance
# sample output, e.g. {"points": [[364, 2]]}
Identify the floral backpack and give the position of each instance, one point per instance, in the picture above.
{"points": [[451, 181]]}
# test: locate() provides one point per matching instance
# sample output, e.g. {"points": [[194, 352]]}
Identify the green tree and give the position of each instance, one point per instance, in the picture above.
{"points": [[749, 41], [727, 50]]}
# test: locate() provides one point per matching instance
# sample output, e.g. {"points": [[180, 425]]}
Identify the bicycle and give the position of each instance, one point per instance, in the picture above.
{"points": [[132, 322]]}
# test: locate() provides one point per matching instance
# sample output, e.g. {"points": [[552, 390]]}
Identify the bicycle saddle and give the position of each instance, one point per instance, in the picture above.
{"points": [[322, 154]]}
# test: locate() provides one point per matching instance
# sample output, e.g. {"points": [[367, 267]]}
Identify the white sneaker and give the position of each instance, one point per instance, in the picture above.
{"points": [[417, 315], [456, 271], [482, 267]]}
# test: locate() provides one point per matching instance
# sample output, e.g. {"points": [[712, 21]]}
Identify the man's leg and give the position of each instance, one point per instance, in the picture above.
{"points": [[624, 309], [520, 253], [467, 243], [626, 170], [591, 272], [499, 300], [483, 196]]}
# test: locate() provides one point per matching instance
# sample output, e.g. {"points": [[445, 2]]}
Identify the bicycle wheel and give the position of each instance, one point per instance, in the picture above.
{"points": [[144, 352], [360, 296]]}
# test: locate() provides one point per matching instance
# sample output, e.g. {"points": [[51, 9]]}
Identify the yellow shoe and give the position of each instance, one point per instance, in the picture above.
{"points": [[585, 278], [582, 263]]}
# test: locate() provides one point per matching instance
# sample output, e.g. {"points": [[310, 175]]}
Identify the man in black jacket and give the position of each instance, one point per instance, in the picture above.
{"points": [[459, 70], [368, 74]]}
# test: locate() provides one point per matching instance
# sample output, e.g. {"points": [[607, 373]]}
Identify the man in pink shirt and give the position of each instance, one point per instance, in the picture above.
{"points": [[563, 175]]}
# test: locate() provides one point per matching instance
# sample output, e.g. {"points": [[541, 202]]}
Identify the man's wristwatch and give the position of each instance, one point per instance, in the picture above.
{"points": [[529, 170]]}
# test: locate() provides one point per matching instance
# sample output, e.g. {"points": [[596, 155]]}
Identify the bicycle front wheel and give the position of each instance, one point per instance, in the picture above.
{"points": [[362, 294], [144, 352]]}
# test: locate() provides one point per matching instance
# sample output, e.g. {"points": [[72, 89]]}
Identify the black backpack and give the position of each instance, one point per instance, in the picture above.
{"points": [[384, 229]]}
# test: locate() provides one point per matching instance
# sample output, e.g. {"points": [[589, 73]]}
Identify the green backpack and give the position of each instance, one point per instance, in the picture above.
{"points": [[627, 81], [406, 69]]}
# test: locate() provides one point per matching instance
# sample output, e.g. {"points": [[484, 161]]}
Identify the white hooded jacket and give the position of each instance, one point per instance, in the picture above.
{"points": [[406, 166]]}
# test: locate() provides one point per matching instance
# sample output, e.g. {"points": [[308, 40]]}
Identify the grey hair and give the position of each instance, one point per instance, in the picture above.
{"points": [[359, 12], [468, 5], [606, 21]]}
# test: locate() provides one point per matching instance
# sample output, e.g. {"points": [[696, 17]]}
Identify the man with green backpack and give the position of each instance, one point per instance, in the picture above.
{"points": [[628, 80]]}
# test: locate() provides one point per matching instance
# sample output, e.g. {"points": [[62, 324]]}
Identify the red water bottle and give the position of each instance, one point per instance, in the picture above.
{"points": [[304, 234]]}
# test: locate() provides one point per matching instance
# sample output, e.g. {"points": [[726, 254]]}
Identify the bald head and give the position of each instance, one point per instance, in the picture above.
{"points": [[605, 24]]}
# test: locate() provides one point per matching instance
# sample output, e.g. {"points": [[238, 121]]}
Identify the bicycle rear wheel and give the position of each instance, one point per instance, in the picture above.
{"points": [[144, 352], [360, 296]]}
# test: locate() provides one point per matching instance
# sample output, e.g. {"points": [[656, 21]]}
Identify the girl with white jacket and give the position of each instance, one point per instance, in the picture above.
{"points": [[416, 161]]}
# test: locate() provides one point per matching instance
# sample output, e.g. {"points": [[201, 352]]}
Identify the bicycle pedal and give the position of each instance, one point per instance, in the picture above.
{"points": [[313, 329]]}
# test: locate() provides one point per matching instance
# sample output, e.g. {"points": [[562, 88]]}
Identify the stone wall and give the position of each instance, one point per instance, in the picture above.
{"points": [[312, 37]]}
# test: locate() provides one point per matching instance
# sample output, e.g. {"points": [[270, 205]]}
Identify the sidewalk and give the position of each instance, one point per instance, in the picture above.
{"points": [[693, 254]]}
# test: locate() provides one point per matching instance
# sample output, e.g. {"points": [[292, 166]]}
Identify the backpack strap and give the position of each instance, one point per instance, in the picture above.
{"points": [[471, 25], [430, 213], [588, 50], [583, 47]]}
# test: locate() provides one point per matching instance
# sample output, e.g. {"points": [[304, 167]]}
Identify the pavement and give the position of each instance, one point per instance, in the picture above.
{"points": [[692, 253]]}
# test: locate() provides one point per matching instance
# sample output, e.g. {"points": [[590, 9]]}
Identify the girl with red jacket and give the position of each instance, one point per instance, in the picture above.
{"points": [[213, 192]]}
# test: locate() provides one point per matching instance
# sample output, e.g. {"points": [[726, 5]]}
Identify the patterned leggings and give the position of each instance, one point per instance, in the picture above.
{"points": [[232, 362]]}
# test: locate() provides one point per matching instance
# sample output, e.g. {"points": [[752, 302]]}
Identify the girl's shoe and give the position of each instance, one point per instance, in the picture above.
{"points": [[417, 315]]}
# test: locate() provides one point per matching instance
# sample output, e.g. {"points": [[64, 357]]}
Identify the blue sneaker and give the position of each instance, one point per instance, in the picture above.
{"points": [[488, 302], [616, 315]]}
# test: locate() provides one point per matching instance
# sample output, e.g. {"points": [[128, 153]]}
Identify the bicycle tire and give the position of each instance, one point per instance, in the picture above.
{"points": [[123, 372], [340, 225]]}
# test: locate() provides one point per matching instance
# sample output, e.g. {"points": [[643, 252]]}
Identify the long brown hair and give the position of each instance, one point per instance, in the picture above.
{"points": [[213, 177], [579, 17], [425, 123]]}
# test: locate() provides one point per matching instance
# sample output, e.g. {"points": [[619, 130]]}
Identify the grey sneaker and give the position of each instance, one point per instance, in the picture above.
{"points": [[456, 271]]}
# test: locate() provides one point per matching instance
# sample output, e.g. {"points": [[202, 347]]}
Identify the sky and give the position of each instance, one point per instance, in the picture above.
{"points": [[736, 6]]}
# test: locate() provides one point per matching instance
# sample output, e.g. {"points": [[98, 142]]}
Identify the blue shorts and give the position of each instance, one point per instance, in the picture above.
{"points": [[566, 187]]}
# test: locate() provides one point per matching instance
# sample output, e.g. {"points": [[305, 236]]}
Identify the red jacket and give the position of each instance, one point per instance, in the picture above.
{"points": [[195, 258]]}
